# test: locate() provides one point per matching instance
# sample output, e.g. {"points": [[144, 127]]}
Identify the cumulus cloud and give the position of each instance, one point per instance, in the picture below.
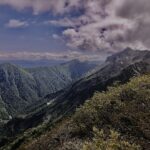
{"points": [[111, 26], [38, 6], [103, 26], [137, 12], [55, 36], [13, 23], [107, 25]]}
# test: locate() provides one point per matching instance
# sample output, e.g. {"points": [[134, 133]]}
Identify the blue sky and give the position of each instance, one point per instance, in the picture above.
{"points": [[35, 37], [68, 29]]}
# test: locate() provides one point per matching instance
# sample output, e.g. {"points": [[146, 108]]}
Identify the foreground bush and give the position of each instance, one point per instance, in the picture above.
{"points": [[113, 142], [125, 108]]}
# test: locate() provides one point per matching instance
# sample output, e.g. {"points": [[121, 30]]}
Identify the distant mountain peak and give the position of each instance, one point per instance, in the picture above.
{"points": [[74, 61], [128, 55], [7, 65], [21, 87], [128, 49]]}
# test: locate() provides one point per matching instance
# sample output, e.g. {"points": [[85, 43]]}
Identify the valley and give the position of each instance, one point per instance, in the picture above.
{"points": [[20, 87], [74, 75], [52, 109]]}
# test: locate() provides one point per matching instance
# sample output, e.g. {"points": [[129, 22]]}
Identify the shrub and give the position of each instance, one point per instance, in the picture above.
{"points": [[113, 142], [125, 108]]}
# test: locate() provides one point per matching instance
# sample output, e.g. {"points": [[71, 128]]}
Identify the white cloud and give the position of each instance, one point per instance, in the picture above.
{"points": [[111, 26], [55, 36], [69, 22], [68, 55], [38, 6], [104, 25], [13, 23]]}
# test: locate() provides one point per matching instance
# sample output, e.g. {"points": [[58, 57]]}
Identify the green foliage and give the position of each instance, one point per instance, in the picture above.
{"points": [[21, 88], [3, 112], [112, 142], [125, 108]]}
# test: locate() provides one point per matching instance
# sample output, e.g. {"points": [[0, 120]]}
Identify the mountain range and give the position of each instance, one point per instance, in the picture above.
{"points": [[20, 87], [75, 82], [33, 63]]}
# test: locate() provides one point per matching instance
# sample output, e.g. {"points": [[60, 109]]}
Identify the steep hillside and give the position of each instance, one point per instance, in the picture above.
{"points": [[56, 106], [116, 70], [119, 67], [115, 119], [20, 87], [3, 112], [125, 109], [27, 86], [53, 79], [17, 88]]}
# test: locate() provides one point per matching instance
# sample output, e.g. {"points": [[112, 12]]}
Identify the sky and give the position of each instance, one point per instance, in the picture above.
{"points": [[72, 29]]}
